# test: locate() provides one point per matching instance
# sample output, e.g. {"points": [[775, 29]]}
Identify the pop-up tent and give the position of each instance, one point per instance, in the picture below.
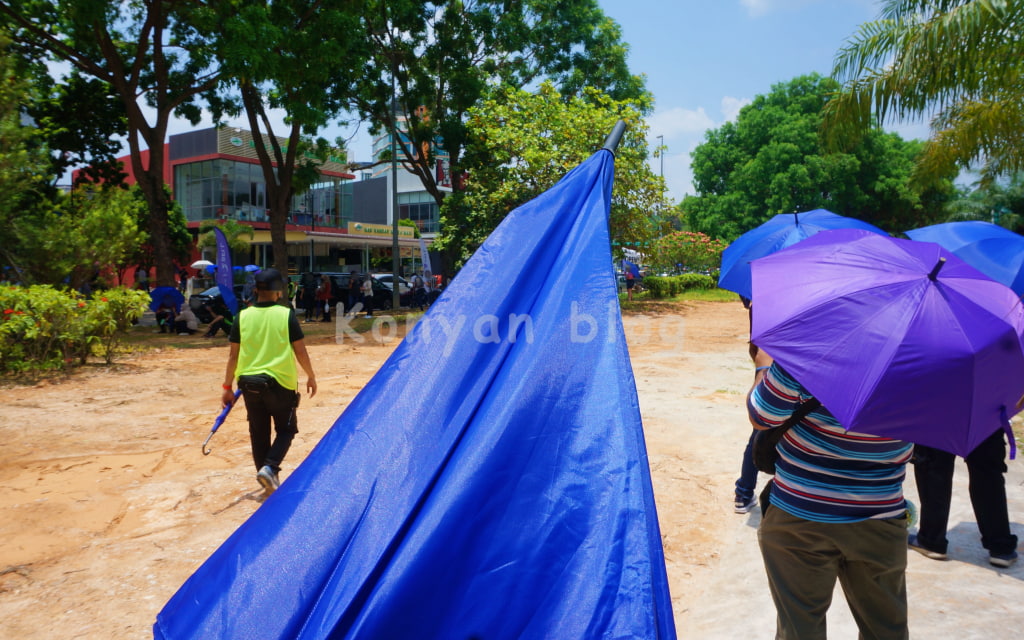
{"points": [[504, 493]]}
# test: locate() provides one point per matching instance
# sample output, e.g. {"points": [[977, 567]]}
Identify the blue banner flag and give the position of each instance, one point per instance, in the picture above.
{"points": [[511, 499], [225, 276]]}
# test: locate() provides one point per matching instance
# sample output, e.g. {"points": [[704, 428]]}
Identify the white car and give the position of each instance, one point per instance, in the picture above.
{"points": [[385, 279]]}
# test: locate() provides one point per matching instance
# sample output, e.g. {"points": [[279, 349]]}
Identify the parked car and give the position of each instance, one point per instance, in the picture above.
{"points": [[404, 286], [202, 302], [339, 290]]}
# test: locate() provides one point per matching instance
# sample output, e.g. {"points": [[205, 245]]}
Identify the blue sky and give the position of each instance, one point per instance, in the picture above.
{"points": [[705, 59]]}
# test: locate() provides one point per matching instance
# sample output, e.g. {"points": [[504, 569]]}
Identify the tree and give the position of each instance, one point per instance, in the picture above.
{"points": [[151, 55], [233, 232], [771, 160], [70, 242], [300, 63], [1000, 202], [444, 56], [959, 59], [521, 144]]}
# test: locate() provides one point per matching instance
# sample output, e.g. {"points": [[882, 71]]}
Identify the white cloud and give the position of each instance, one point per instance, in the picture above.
{"points": [[731, 107], [756, 8], [678, 121]]}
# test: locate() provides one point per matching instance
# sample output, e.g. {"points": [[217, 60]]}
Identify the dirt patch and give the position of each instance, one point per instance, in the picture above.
{"points": [[109, 505]]}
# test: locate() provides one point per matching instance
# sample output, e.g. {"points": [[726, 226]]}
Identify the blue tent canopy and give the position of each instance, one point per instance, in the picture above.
{"points": [[509, 497]]}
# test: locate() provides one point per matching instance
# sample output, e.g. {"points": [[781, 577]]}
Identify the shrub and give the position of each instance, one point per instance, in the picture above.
{"points": [[669, 286], [43, 328]]}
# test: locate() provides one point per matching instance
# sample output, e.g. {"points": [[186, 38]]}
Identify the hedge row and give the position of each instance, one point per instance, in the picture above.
{"points": [[668, 286], [43, 328]]}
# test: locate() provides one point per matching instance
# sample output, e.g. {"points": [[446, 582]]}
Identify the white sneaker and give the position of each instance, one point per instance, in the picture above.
{"points": [[744, 506], [267, 479]]}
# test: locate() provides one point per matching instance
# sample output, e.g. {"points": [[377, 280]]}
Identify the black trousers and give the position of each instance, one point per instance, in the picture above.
{"points": [[933, 474], [266, 400]]}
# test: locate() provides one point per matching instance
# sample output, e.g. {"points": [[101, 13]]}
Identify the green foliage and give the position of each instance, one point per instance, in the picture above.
{"points": [[43, 328], [403, 222], [71, 239], [958, 62], [1000, 202], [695, 251], [522, 143], [445, 57], [668, 286], [233, 232], [771, 160]]}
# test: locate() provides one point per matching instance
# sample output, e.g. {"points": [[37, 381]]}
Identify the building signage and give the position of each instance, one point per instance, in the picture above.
{"points": [[369, 229]]}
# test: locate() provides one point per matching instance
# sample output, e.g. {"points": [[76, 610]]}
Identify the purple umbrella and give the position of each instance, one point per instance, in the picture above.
{"points": [[897, 338], [779, 232]]}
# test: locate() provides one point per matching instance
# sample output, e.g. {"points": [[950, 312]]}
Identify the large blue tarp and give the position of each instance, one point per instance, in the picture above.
{"points": [[491, 481]]}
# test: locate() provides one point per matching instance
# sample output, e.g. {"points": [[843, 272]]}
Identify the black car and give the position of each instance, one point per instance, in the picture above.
{"points": [[205, 303], [339, 290]]}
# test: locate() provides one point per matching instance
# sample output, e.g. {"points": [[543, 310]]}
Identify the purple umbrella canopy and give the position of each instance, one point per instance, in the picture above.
{"points": [[897, 338], [779, 232]]}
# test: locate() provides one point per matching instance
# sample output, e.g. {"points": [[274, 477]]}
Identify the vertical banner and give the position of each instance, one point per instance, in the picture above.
{"points": [[225, 276], [425, 258]]}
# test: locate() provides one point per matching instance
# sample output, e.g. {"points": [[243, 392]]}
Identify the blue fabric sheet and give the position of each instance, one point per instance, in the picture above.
{"points": [[491, 481]]}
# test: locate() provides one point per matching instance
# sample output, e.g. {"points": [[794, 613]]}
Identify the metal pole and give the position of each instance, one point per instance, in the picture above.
{"points": [[394, 191], [661, 154], [611, 143]]}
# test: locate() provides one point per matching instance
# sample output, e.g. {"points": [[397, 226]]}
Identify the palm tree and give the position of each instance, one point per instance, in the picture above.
{"points": [[958, 62]]}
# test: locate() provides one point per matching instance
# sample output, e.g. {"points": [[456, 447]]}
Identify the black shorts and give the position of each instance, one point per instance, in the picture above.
{"points": [[629, 283]]}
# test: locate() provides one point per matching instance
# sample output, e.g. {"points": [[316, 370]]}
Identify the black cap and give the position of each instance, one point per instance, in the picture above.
{"points": [[269, 280]]}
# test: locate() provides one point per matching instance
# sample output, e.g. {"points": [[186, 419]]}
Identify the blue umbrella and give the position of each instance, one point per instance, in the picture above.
{"points": [[779, 232], [989, 248], [953, 235], [513, 501], [165, 295], [252, 268]]}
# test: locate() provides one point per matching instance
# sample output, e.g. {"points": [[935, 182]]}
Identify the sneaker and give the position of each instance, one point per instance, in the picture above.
{"points": [[267, 479], [1004, 560], [925, 551], [744, 506]]}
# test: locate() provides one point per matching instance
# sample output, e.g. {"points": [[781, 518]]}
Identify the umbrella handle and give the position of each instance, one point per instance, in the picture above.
{"points": [[218, 421]]}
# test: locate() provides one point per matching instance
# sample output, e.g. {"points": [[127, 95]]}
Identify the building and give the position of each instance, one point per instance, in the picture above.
{"points": [[414, 202], [214, 174]]}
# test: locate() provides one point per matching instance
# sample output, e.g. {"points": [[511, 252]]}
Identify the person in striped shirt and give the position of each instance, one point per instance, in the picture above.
{"points": [[836, 512]]}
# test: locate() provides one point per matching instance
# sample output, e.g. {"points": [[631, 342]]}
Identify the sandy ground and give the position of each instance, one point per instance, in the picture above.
{"points": [[107, 504]]}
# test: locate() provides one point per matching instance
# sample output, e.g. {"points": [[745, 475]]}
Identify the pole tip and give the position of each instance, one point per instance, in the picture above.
{"points": [[935, 270], [611, 143]]}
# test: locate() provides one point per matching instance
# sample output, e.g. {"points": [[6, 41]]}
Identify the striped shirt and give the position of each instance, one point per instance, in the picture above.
{"points": [[826, 473]]}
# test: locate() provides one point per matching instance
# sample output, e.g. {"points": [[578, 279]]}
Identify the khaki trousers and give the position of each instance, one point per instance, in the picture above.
{"points": [[803, 560]]}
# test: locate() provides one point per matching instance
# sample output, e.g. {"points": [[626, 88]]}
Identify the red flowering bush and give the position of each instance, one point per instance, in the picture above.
{"points": [[690, 250], [45, 328]]}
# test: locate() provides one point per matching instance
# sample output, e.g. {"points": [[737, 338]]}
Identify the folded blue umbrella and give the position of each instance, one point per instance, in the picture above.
{"points": [[510, 497]]}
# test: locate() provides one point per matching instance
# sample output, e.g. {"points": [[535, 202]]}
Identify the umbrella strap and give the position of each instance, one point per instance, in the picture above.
{"points": [[1009, 434]]}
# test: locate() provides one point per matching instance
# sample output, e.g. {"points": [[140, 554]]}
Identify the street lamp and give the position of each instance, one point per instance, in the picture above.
{"points": [[394, 190]]}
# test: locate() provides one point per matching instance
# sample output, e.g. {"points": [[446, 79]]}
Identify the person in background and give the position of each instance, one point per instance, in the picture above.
{"points": [[323, 298], [222, 320], [630, 283], [354, 291], [744, 499], [835, 511], [367, 295], [308, 293], [933, 475], [265, 344], [186, 323]]}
